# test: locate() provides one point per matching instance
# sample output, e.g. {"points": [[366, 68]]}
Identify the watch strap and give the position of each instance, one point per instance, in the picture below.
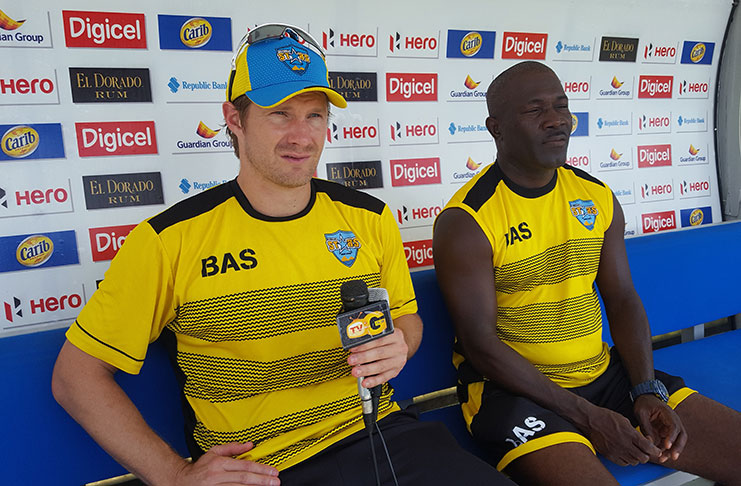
{"points": [[653, 387]]}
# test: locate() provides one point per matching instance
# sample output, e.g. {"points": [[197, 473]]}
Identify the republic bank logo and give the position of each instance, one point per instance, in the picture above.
{"points": [[173, 85], [13, 309]]}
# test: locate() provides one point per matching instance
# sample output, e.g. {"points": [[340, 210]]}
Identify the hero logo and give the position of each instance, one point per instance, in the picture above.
{"points": [[661, 221], [54, 195], [399, 43], [26, 86], [14, 309], [418, 253], [411, 86], [116, 138], [406, 215], [351, 43], [580, 161], [654, 123], [104, 29], [659, 54], [413, 172], [695, 188], [693, 89], [655, 86], [657, 192], [654, 155], [351, 134], [577, 90], [524, 45], [105, 242], [406, 133]]}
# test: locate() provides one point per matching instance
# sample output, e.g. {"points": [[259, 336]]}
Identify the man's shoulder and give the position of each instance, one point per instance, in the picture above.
{"points": [[192, 206], [348, 196], [581, 174]]}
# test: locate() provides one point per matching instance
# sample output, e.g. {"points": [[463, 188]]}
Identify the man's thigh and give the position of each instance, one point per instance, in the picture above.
{"points": [[422, 454]]}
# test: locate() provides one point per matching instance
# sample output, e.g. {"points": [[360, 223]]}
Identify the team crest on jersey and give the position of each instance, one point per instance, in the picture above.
{"points": [[585, 212], [344, 245], [295, 58]]}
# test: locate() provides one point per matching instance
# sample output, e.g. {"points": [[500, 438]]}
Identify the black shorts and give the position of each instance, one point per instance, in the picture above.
{"points": [[510, 426], [422, 454]]}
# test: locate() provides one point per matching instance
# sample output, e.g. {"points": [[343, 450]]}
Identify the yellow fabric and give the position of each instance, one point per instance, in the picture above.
{"points": [[541, 443], [258, 340], [545, 261]]}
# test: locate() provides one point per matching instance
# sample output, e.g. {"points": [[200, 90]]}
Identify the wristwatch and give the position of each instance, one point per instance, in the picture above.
{"points": [[654, 387]]}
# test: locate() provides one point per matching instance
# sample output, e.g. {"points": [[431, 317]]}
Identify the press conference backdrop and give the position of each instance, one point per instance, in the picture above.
{"points": [[110, 112]]}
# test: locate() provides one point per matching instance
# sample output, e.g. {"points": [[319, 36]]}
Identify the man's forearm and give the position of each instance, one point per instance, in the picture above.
{"points": [[411, 325], [631, 334]]}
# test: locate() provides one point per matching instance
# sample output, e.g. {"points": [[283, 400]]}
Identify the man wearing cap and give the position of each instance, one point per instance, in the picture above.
{"points": [[242, 283]]}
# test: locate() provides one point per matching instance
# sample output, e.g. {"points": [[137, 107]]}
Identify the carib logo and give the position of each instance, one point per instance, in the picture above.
{"points": [[196, 33], [471, 44], [204, 131], [34, 251], [20, 141]]}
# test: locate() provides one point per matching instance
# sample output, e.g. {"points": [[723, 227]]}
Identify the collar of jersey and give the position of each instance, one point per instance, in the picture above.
{"points": [[527, 192], [245, 203]]}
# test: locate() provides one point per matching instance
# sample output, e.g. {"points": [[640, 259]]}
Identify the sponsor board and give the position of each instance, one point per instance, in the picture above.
{"points": [[468, 89], [418, 253], [653, 87], [578, 88], [201, 138], [654, 155], [420, 44], [23, 198], [342, 41], [414, 172], [121, 190], [579, 124], [618, 49], [26, 307], [29, 88], [470, 44], [617, 156], [197, 88], [415, 130], [654, 122], [654, 52], [624, 191], [466, 169], [418, 213], [32, 141], [104, 29], [22, 30], [614, 87], [569, 49], [692, 87], [524, 45], [656, 190], [38, 250], [195, 33], [694, 153], [355, 86], [102, 139], [348, 130], [581, 159], [612, 124], [689, 187], [359, 175], [659, 221], [411, 86], [694, 52], [105, 242], [186, 185], [696, 216], [467, 131], [688, 121], [106, 85]]}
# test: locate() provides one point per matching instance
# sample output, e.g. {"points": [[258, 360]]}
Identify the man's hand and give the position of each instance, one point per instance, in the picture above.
{"points": [[661, 425], [380, 360], [615, 438], [218, 466]]}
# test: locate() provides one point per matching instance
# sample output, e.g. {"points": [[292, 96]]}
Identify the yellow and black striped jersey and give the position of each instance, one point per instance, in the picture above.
{"points": [[248, 304], [546, 246]]}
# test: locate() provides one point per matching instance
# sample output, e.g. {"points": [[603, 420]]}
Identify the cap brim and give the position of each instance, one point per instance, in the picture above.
{"points": [[275, 95]]}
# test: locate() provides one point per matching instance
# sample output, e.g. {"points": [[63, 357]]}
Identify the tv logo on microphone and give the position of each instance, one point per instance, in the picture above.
{"points": [[367, 324]]}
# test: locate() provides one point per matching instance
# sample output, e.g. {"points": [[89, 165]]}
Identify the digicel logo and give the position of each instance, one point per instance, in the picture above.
{"points": [[104, 29], [523, 45], [654, 155], [655, 86], [105, 242], [411, 86], [418, 253], [116, 138], [661, 221], [413, 172]]}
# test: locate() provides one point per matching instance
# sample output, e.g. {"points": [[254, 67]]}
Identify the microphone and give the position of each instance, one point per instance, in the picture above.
{"points": [[365, 317]]}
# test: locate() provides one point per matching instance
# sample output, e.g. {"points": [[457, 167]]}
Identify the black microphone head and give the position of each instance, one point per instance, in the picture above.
{"points": [[354, 294]]}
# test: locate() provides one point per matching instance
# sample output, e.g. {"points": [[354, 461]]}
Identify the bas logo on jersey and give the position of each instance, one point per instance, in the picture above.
{"points": [[585, 212], [521, 232], [344, 245], [211, 265]]}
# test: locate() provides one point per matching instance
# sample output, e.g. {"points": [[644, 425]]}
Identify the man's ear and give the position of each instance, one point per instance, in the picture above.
{"points": [[231, 117], [492, 124]]}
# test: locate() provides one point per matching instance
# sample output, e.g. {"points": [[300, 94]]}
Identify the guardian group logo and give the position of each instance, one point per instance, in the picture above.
{"points": [[31, 31], [468, 90], [32, 141], [695, 154], [202, 139], [471, 44], [615, 87], [694, 52], [195, 33]]}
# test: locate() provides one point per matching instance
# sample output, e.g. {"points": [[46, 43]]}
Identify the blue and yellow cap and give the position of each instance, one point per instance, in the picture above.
{"points": [[274, 70]]}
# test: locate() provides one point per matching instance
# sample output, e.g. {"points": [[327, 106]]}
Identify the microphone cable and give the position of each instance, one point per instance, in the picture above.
{"points": [[370, 421]]}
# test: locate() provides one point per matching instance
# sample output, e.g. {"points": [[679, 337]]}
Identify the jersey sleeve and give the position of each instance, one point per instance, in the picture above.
{"points": [[131, 306], [394, 269]]}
